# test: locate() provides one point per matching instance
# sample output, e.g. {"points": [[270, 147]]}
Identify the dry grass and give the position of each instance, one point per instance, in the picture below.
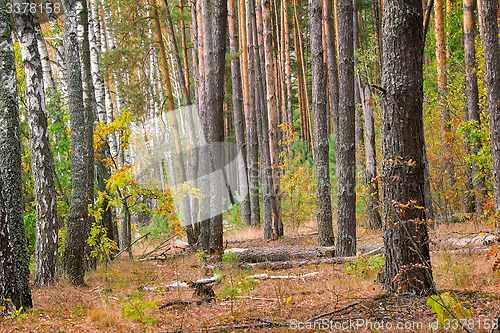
{"points": [[98, 307]]}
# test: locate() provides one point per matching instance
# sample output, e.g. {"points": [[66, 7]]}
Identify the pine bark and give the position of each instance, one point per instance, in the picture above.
{"points": [[408, 266], [271, 74], [320, 127], [268, 200], [489, 36], [46, 257], [331, 50], [214, 40], [12, 232], [472, 93], [345, 145], [248, 70], [371, 162], [239, 120], [78, 220]]}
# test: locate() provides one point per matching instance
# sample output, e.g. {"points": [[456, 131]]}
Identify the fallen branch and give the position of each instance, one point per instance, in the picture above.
{"points": [[179, 302], [296, 263], [334, 311], [265, 276], [130, 246], [157, 248], [243, 326]]}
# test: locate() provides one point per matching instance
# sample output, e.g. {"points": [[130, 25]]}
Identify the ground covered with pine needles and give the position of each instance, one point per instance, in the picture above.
{"points": [[151, 295]]}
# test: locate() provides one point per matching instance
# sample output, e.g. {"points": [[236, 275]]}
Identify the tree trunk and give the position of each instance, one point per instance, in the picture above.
{"points": [[408, 266], [239, 129], [74, 244], [248, 69], [345, 146], [371, 161], [268, 200], [214, 40], [272, 111], [11, 188], [46, 257], [174, 122], [489, 35], [89, 102], [8, 283], [331, 49], [301, 77], [320, 129], [443, 90], [472, 93], [288, 69]]}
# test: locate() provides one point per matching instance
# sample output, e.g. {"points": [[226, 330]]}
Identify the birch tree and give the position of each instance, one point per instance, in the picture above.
{"points": [[46, 256], [12, 232]]}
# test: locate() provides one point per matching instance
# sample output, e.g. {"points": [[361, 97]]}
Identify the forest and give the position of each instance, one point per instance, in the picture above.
{"points": [[249, 165]]}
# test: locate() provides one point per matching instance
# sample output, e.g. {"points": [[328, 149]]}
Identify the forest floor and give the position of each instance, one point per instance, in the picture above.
{"points": [[135, 296]]}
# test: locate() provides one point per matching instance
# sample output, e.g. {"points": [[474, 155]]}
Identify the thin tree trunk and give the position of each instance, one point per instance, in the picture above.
{"points": [[489, 35], [239, 128], [46, 257], [331, 50], [371, 161], [173, 117], [443, 90], [320, 129], [268, 200], [302, 77], [472, 94], [408, 266], [288, 69], [248, 70], [12, 232], [272, 110], [345, 146]]}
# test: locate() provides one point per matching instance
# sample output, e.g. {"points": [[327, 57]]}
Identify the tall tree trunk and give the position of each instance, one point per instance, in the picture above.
{"points": [[46, 257], [288, 69], [185, 50], [331, 50], [214, 40], [272, 110], [472, 94], [301, 77], [89, 102], [248, 70], [408, 266], [320, 130], [74, 244], [489, 35], [371, 161], [443, 89], [12, 235], [102, 171], [239, 129], [359, 123], [345, 145], [174, 122], [268, 200], [175, 54]]}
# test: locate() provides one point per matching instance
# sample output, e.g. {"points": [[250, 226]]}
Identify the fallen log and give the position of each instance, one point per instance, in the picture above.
{"points": [[278, 265], [464, 242], [277, 254]]}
